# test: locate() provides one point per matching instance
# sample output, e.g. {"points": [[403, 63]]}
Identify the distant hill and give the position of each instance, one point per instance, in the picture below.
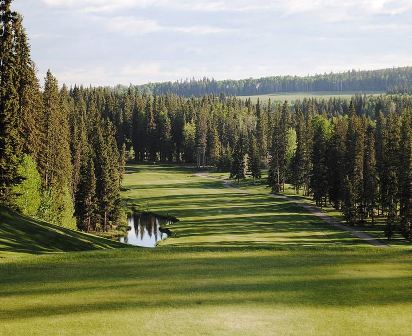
{"points": [[391, 79], [23, 234]]}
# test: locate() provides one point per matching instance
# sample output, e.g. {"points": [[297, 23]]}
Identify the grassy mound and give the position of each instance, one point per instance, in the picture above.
{"points": [[23, 234]]}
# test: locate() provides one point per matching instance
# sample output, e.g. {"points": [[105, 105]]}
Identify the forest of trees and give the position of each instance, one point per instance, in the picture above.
{"points": [[385, 80], [59, 156], [63, 150]]}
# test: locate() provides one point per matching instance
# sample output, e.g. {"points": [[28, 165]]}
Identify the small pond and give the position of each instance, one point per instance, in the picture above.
{"points": [[146, 229]]}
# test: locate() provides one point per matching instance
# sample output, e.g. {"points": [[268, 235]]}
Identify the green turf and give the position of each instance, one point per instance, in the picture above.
{"points": [[293, 96], [241, 264], [26, 235]]}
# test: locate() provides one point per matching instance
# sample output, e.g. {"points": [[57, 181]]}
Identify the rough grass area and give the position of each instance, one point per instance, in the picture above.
{"points": [[241, 264], [26, 235]]}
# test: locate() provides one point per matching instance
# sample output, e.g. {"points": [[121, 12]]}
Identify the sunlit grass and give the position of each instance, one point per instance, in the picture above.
{"points": [[242, 263]]}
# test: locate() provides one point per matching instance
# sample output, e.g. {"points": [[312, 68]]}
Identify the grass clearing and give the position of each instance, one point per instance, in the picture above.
{"points": [[240, 264]]}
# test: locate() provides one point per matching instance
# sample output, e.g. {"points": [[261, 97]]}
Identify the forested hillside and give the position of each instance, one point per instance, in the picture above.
{"points": [[63, 150], [393, 79]]}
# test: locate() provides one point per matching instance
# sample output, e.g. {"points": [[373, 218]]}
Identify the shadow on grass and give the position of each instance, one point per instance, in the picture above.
{"points": [[128, 280], [23, 234]]}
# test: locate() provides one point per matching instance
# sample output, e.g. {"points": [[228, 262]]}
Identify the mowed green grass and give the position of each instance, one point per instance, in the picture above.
{"points": [[213, 215], [21, 234], [293, 96], [268, 279]]}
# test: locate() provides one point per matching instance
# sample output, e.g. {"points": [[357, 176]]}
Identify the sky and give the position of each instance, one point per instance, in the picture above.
{"points": [[110, 42]]}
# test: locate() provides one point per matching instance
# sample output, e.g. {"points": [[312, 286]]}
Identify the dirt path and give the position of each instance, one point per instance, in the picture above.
{"points": [[335, 222]]}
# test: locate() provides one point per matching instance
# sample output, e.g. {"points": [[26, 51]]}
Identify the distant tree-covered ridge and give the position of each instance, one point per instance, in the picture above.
{"points": [[384, 80]]}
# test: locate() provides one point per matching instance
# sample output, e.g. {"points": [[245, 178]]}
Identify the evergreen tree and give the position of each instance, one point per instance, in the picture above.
{"points": [[319, 174], [254, 159], [139, 131], [56, 166], [107, 175], [86, 203], [238, 168], [337, 161], [370, 183], [355, 164], [261, 134], [301, 157], [392, 165], [28, 89], [11, 142], [277, 164], [406, 176]]}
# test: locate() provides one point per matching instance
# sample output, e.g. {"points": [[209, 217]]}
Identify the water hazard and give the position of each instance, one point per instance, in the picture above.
{"points": [[146, 229]]}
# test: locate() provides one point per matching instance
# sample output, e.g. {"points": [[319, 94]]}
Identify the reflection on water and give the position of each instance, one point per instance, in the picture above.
{"points": [[145, 230]]}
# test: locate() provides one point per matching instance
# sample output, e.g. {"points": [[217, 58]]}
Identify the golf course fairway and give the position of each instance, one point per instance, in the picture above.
{"points": [[240, 263]]}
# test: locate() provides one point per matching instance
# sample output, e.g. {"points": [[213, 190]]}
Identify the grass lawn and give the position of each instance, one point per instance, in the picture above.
{"points": [[293, 96], [20, 235], [241, 264]]}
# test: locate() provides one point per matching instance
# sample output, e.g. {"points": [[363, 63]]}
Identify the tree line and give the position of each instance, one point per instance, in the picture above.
{"points": [[59, 156], [384, 80]]}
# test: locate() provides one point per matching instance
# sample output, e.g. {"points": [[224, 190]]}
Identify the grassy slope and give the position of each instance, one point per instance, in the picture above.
{"points": [[293, 96], [22, 234], [269, 279]]}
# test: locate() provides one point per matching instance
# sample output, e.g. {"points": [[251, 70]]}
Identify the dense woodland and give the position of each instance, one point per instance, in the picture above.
{"points": [[394, 79], [63, 150]]}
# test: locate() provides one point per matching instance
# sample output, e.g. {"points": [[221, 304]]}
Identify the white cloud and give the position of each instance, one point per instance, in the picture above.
{"points": [[130, 25], [391, 7]]}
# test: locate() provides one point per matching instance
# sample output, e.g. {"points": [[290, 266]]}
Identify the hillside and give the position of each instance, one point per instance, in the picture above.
{"points": [[23, 234], [382, 80]]}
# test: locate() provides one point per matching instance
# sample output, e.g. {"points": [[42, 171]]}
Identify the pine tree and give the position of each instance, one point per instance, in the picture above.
{"points": [[405, 182], [261, 134], [392, 164], [28, 89], [86, 203], [301, 157], [164, 135], [238, 167], [277, 163], [254, 159], [56, 164], [11, 142], [107, 175], [319, 174], [370, 182], [354, 164], [139, 131], [201, 137], [337, 161], [213, 145]]}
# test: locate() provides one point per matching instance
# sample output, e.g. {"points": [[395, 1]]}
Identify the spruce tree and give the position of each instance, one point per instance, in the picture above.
{"points": [[405, 183], [86, 203], [238, 167], [254, 159], [261, 134], [56, 164], [370, 181], [11, 142], [319, 174], [277, 163], [392, 173]]}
